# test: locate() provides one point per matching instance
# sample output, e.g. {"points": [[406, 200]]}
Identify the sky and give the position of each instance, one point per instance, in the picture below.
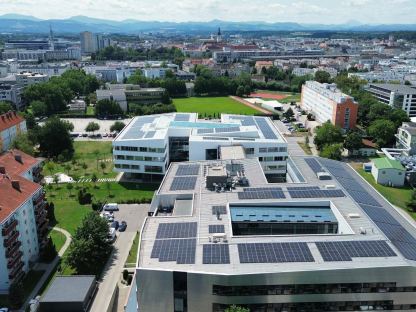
{"points": [[300, 11]]}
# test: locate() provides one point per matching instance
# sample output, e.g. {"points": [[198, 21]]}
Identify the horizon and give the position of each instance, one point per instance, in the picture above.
{"points": [[368, 12]]}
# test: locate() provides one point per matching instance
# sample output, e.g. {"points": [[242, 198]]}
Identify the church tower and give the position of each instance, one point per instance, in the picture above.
{"points": [[219, 36]]}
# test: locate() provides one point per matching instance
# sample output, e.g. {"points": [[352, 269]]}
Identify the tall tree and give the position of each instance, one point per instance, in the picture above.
{"points": [[331, 151], [383, 132], [353, 140], [5, 107], [92, 127], [327, 134], [322, 76], [117, 126], [54, 138]]}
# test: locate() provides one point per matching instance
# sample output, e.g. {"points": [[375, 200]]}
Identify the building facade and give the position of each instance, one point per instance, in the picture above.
{"points": [[406, 138], [23, 221], [327, 103], [11, 125], [12, 93]]}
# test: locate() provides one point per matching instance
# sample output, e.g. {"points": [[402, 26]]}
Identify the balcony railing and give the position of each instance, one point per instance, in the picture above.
{"points": [[9, 228], [16, 270], [43, 227], [10, 253], [11, 239], [39, 199], [13, 261]]}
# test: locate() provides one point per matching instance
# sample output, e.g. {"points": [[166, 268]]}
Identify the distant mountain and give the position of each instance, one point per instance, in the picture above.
{"points": [[16, 23]]}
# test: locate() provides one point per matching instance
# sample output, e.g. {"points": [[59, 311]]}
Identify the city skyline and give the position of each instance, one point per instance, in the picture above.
{"points": [[311, 11]]}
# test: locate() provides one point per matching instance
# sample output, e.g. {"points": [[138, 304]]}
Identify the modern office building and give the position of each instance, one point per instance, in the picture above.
{"points": [[148, 144], [23, 221], [395, 95], [327, 103], [406, 138], [219, 234], [11, 125], [25, 79], [88, 42]]}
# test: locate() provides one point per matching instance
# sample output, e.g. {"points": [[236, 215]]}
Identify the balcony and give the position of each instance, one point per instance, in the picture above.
{"points": [[9, 228], [43, 227], [16, 271], [11, 239], [40, 217], [39, 199], [13, 249], [13, 261]]}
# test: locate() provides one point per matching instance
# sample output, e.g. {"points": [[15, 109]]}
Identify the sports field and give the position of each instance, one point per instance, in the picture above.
{"points": [[208, 106]]}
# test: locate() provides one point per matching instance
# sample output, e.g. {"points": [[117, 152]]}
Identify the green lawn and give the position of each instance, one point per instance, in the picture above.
{"points": [[208, 106], [133, 250], [69, 212], [58, 239], [397, 196], [86, 161]]}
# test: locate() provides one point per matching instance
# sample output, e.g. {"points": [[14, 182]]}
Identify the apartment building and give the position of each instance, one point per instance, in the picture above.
{"points": [[11, 125], [320, 245], [12, 93], [23, 222], [25, 79], [327, 103], [397, 96], [146, 147]]}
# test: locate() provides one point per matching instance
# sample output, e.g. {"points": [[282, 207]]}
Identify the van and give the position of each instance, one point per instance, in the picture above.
{"points": [[111, 207]]}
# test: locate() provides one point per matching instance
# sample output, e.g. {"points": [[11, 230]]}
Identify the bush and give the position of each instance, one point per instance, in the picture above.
{"points": [[16, 295], [96, 206], [125, 274], [84, 197], [129, 279], [48, 252]]}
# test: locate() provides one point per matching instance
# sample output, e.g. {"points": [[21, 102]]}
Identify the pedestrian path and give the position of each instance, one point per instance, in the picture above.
{"points": [[87, 180]]}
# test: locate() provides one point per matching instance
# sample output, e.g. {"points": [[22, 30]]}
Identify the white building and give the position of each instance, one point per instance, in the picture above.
{"points": [[23, 221], [25, 79], [118, 95], [321, 245], [154, 72], [11, 93], [11, 125], [388, 172], [406, 138], [149, 144]]}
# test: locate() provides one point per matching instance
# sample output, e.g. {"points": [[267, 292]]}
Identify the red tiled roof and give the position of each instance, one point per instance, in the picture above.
{"points": [[9, 119], [10, 160], [368, 143], [10, 197]]}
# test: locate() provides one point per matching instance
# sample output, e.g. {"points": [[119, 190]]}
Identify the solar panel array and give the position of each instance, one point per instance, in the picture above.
{"points": [[176, 230], [134, 132], [205, 131], [215, 254], [187, 170], [302, 188], [261, 193], [265, 128], [180, 250], [216, 228], [227, 129], [274, 253], [183, 183], [314, 165], [219, 209], [345, 251], [245, 121], [181, 117], [316, 193], [384, 220]]}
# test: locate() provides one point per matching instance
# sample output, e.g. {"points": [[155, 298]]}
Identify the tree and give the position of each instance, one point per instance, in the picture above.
{"points": [[94, 178], [240, 91], [331, 151], [69, 187], [48, 253], [22, 143], [322, 76], [235, 308], [5, 107], [289, 114], [90, 248], [382, 131], [92, 127], [166, 98], [39, 108], [107, 107], [51, 212], [327, 134], [54, 138], [84, 197], [412, 203], [103, 166], [16, 295], [117, 126], [353, 141]]}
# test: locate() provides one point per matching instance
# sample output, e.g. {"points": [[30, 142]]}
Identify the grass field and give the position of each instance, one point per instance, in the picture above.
{"points": [[208, 106], [133, 250], [84, 162], [58, 239], [69, 213]]}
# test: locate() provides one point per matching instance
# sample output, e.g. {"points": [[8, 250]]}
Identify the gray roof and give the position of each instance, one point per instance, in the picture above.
{"points": [[69, 289], [403, 89]]}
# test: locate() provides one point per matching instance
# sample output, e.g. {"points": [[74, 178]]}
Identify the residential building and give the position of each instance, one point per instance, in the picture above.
{"points": [[23, 221], [263, 64], [11, 125], [211, 241], [406, 138], [327, 103], [146, 147], [77, 105], [155, 72], [25, 79], [88, 42], [27, 44], [388, 172], [12, 93], [396, 95], [117, 95]]}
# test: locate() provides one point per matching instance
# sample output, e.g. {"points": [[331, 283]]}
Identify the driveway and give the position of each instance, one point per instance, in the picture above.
{"points": [[134, 215]]}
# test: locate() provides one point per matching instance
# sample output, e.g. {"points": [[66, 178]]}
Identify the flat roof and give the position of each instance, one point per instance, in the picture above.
{"points": [[395, 87], [69, 289], [387, 163]]}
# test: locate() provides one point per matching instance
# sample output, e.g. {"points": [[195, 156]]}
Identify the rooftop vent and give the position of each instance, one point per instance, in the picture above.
{"points": [[18, 158], [16, 185], [2, 170]]}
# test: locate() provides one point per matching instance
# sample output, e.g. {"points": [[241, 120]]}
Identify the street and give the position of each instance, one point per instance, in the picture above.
{"points": [[134, 215]]}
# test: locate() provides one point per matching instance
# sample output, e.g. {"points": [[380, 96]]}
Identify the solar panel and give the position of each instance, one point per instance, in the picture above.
{"points": [[258, 189], [216, 228], [302, 188], [265, 128], [176, 230], [345, 251], [150, 134], [262, 194], [363, 198], [274, 252], [183, 183], [227, 129], [314, 165], [205, 131], [215, 254], [316, 193], [219, 210], [378, 214], [180, 250], [181, 117], [187, 170], [245, 121]]}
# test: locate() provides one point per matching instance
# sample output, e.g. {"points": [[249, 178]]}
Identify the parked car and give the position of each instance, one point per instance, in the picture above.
{"points": [[115, 225], [123, 226], [4, 309], [110, 207], [111, 237]]}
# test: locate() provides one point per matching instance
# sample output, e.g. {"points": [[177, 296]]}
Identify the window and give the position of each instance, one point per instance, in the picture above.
{"points": [[263, 150], [249, 150], [154, 169]]}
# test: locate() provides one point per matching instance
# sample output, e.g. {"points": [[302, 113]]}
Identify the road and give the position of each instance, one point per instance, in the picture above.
{"points": [[134, 215]]}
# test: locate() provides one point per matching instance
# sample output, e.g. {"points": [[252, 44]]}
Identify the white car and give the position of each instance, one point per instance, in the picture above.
{"points": [[4, 309]]}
